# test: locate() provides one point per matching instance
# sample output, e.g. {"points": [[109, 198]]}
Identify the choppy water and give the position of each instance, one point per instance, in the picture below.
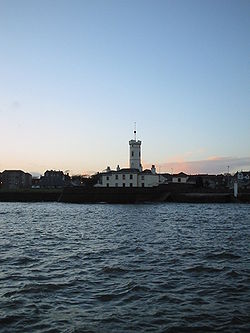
{"points": [[124, 268]]}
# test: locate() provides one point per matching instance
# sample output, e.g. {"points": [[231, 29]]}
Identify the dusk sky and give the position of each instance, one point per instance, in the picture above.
{"points": [[75, 76]]}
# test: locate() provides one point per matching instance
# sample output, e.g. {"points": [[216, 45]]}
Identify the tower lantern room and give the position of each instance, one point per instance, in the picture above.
{"points": [[135, 153]]}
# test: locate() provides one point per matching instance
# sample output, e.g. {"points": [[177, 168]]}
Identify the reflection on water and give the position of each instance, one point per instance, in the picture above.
{"points": [[124, 268]]}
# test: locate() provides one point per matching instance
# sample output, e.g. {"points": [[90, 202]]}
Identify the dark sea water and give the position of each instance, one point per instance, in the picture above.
{"points": [[124, 268]]}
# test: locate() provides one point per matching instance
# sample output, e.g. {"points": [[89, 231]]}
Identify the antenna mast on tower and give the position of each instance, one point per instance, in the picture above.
{"points": [[135, 131]]}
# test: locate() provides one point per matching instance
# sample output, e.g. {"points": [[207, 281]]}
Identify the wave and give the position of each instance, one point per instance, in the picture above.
{"points": [[114, 270], [9, 319], [222, 255], [25, 260], [203, 269], [37, 288], [233, 274]]}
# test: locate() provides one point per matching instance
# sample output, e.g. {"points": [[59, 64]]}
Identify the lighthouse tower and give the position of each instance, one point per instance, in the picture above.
{"points": [[135, 153]]}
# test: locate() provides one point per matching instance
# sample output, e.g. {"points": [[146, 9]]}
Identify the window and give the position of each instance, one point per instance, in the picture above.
{"points": [[142, 184], [132, 153], [131, 177], [179, 180], [123, 176], [123, 184], [107, 184], [107, 178], [131, 184], [116, 176]]}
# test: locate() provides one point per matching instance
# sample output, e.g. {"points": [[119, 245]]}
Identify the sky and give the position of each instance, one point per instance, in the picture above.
{"points": [[75, 75]]}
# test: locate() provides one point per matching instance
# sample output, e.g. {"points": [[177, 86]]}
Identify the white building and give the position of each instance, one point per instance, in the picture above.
{"points": [[133, 176]]}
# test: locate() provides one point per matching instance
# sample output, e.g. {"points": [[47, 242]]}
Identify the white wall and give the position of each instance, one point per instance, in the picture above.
{"points": [[137, 180], [117, 179]]}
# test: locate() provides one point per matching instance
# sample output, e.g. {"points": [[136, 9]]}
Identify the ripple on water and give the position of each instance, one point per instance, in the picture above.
{"points": [[124, 268]]}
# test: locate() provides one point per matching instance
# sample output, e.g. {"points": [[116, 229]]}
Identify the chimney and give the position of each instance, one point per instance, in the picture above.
{"points": [[153, 169]]}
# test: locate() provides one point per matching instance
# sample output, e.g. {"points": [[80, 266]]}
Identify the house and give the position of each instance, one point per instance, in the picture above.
{"points": [[243, 179], [243, 176], [54, 179], [128, 177], [180, 178], [203, 180], [16, 179], [134, 176], [210, 181]]}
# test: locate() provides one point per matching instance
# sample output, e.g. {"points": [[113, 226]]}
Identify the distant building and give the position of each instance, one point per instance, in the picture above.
{"points": [[243, 176], [16, 179], [210, 181], [243, 179], [133, 176], [128, 177], [54, 179], [180, 178]]}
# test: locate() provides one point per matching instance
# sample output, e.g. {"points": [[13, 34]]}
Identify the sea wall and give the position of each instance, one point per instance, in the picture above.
{"points": [[122, 195], [201, 197], [31, 195]]}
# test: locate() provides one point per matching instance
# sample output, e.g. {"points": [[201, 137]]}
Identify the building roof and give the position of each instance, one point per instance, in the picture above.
{"points": [[53, 171], [13, 171], [180, 174], [244, 173], [146, 171], [127, 170]]}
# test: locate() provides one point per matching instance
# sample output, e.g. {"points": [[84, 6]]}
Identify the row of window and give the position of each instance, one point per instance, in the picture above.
{"points": [[124, 177], [124, 185]]}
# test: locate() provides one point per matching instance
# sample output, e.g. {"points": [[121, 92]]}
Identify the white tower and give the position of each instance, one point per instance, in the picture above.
{"points": [[135, 153]]}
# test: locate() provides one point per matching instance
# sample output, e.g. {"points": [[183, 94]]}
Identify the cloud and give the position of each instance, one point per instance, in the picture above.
{"points": [[13, 107], [16, 105], [211, 165]]}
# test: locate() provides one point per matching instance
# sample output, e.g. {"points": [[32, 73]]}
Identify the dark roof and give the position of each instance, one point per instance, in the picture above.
{"points": [[203, 175], [147, 171], [10, 171], [180, 174], [244, 173], [127, 170], [54, 171]]}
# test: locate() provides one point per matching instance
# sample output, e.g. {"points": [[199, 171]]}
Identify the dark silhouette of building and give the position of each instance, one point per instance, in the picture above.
{"points": [[210, 181], [243, 179], [15, 179], [54, 179]]}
